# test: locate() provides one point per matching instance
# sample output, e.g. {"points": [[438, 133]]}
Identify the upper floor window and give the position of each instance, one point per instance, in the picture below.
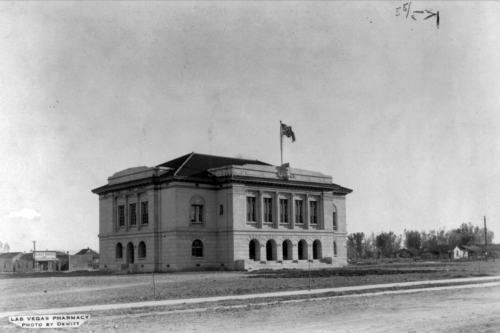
{"points": [[133, 214], [251, 209], [197, 248], [268, 210], [284, 210], [299, 212], [197, 213], [144, 212], [335, 223], [313, 212], [121, 216]]}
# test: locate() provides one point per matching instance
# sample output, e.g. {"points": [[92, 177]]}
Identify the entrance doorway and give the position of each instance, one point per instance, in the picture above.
{"points": [[302, 250], [130, 253]]}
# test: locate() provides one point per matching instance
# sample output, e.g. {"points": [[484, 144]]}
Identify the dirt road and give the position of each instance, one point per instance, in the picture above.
{"points": [[464, 310]]}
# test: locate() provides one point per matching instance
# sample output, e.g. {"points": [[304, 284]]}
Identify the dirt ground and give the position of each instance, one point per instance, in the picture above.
{"points": [[461, 311], [40, 291], [465, 310]]}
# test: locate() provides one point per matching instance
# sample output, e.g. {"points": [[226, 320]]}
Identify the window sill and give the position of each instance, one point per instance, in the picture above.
{"points": [[197, 258], [268, 223], [141, 259], [252, 222], [192, 222]]}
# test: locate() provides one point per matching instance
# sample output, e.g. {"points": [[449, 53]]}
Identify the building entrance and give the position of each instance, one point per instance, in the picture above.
{"points": [[130, 253]]}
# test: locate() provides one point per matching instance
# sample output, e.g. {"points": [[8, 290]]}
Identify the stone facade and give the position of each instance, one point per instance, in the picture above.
{"points": [[201, 212]]}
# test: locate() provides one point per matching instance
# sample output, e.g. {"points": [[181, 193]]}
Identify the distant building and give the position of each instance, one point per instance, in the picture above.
{"points": [[46, 261], [7, 261], [440, 251], [209, 212], [84, 260], [459, 252], [404, 253], [25, 263]]}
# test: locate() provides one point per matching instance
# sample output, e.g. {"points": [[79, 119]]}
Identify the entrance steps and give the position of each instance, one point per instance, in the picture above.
{"points": [[286, 264]]}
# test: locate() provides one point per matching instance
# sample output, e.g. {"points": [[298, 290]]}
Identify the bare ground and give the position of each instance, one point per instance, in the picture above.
{"points": [[467, 310], [38, 291], [462, 311]]}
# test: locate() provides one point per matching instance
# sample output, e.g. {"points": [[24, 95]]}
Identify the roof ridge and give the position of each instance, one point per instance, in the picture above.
{"points": [[236, 158], [183, 163]]}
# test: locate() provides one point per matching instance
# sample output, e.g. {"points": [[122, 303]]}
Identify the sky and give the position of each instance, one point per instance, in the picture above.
{"points": [[401, 111]]}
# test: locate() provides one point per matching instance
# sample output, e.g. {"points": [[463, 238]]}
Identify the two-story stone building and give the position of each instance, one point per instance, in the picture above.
{"points": [[209, 212]]}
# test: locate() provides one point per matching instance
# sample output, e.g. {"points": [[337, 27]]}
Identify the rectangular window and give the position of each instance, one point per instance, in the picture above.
{"points": [[133, 214], [121, 216], [221, 209], [144, 212], [283, 210], [299, 212], [313, 212], [335, 225], [268, 210], [197, 213], [251, 209]]}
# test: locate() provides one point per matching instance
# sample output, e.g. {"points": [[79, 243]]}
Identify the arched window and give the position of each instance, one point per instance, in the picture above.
{"points": [[335, 222], [251, 250], [197, 249], [302, 250], [142, 250], [119, 251], [335, 249], [317, 249]]}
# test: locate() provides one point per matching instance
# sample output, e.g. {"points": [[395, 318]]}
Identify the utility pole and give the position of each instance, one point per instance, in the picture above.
{"points": [[34, 251], [485, 233]]}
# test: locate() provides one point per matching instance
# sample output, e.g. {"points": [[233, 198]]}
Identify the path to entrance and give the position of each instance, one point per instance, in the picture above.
{"points": [[83, 309]]}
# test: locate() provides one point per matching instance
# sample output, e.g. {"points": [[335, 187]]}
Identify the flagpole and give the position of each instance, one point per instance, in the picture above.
{"points": [[281, 144]]}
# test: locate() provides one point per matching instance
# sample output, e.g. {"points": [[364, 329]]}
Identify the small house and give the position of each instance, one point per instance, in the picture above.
{"points": [[85, 259], [404, 253], [25, 263], [459, 252], [7, 261]]}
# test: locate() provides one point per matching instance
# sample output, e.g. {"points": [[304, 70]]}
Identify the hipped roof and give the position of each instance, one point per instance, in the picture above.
{"points": [[195, 166]]}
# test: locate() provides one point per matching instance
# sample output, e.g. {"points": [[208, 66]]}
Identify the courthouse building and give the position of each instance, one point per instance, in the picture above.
{"points": [[202, 212]]}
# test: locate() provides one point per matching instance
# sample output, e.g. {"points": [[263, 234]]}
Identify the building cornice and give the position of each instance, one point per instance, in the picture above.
{"points": [[279, 183]]}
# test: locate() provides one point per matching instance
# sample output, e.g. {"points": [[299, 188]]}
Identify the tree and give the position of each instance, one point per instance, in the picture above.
{"points": [[413, 240], [387, 243], [355, 241], [370, 247], [6, 247], [434, 237]]}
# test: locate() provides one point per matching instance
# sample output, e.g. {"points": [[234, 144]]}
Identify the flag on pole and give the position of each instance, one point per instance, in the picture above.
{"points": [[287, 131]]}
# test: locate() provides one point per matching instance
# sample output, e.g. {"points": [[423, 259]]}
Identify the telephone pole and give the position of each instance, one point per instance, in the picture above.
{"points": [[34, 251], [485, 233]]}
